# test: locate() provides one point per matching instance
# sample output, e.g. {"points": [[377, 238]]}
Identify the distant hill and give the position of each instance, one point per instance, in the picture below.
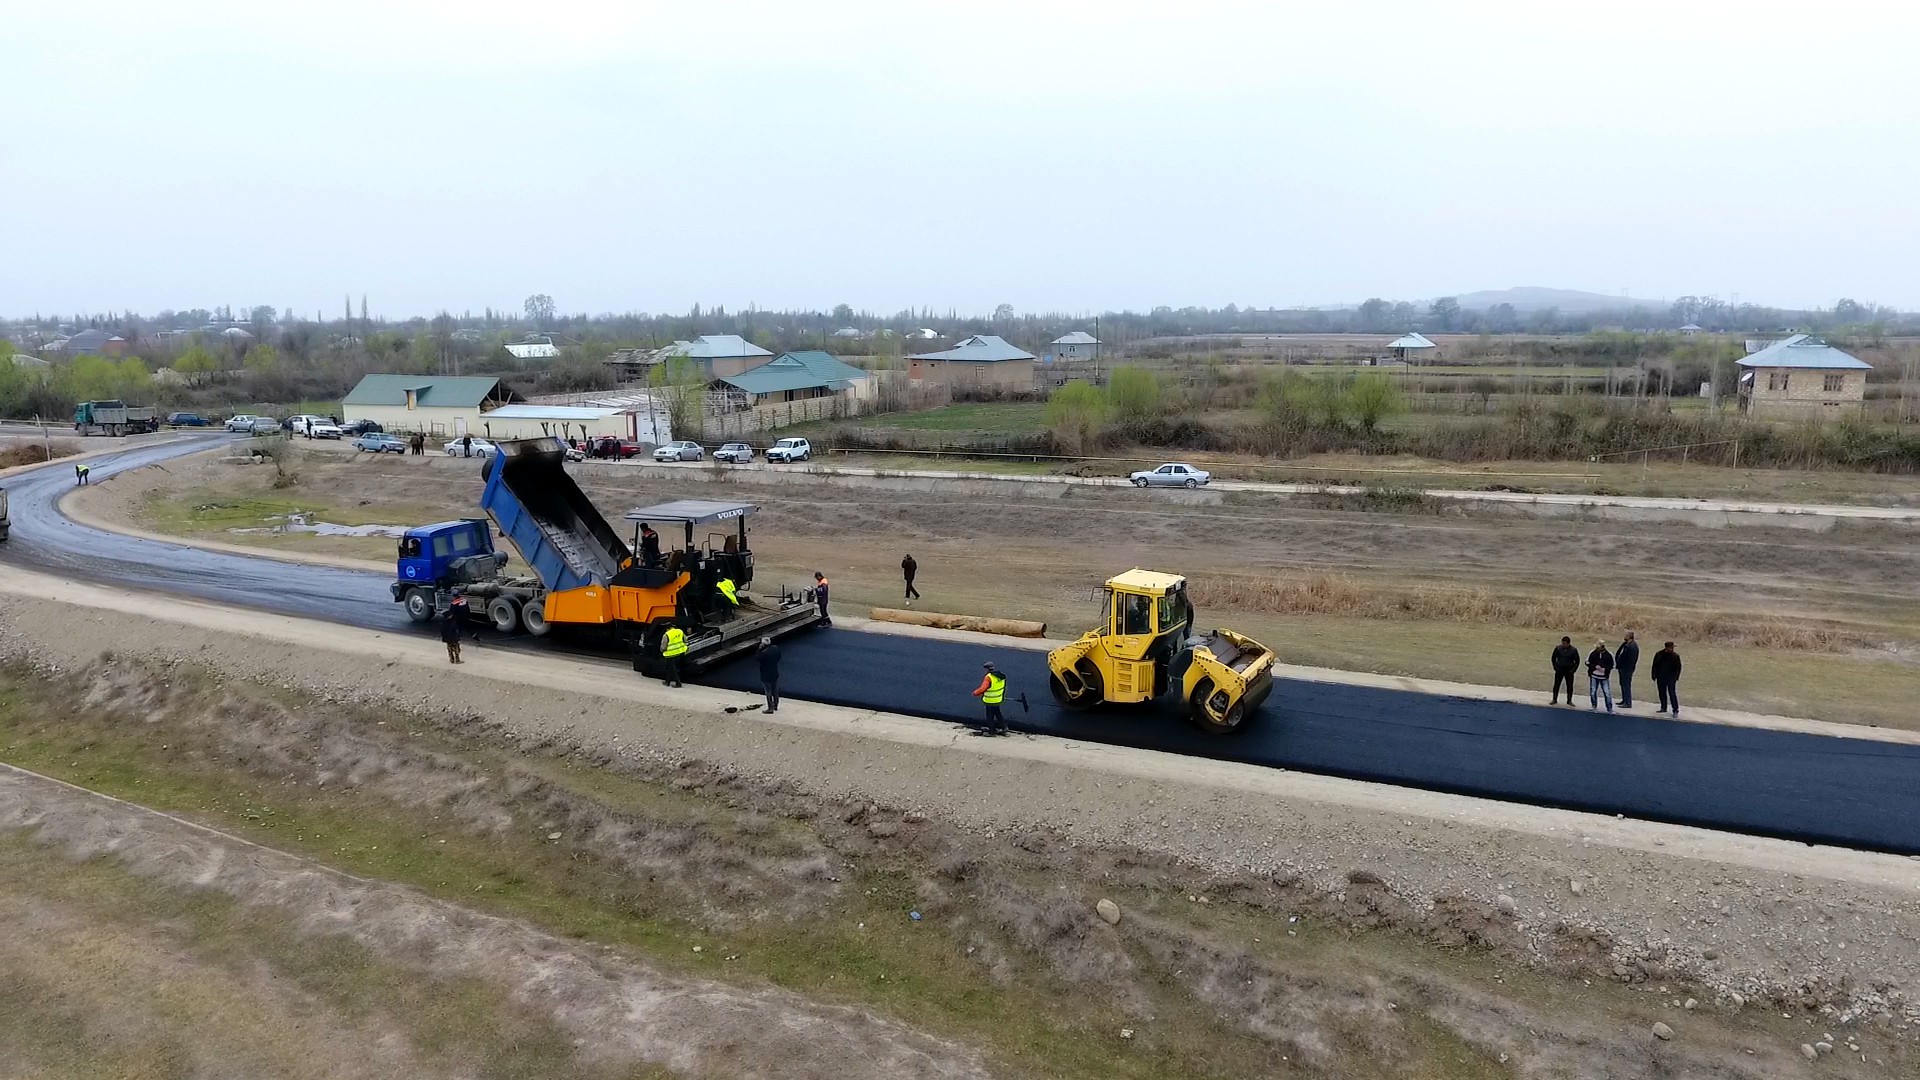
{"points": [[1530, 298]]}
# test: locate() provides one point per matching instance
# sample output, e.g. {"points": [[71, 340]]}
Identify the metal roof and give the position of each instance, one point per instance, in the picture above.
{"points": [[549, 412], [1412, 341], [1804, 351], [796, 371], [1145, 580], [979, 349], [712, 346], [1078, 337], [450, 392], [692, 511]]}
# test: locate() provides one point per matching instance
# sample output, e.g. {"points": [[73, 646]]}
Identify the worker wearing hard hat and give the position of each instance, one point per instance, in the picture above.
{"points": [[991, 692]]}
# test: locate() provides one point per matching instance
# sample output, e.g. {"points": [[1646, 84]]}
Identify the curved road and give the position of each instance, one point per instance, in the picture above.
{"points": [[1855, 793]]}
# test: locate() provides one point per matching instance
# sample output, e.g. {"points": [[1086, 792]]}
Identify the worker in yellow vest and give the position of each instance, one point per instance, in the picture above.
{"points": [[727, 590], [991, 692], [673, 646]]}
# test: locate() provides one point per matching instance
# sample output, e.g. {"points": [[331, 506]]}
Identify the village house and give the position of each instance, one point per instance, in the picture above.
{"points": [[1802, 378], [446, 406], [981, 360], [791, 376]]}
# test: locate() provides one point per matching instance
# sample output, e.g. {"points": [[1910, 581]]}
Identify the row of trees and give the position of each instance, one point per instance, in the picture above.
{"points": [[1141, 406]]}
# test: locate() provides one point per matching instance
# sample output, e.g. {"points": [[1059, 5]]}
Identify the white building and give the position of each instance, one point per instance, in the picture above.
{"points": [[1070, 348], [533, 348], [444, 406], [638, 422]]}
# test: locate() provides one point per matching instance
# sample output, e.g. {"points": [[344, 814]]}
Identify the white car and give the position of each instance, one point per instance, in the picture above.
{"points": [[735, 453], [466, 446], [325, 429], [790, 450], [1172, 474], [680, 450], [244, 422]]}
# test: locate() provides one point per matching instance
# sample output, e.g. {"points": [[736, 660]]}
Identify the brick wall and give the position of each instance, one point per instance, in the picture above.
{"points": [[1804, 394]]}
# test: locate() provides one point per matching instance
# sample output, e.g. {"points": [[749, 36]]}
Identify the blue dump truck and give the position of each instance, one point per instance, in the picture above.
{"points": [[585, 577]]}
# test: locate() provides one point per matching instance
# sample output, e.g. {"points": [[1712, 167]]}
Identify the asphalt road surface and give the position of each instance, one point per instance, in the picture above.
{"points": [[1817, 789]]}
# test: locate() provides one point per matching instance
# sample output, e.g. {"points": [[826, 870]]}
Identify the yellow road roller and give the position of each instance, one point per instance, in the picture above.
{"points": [[1147, 646]]}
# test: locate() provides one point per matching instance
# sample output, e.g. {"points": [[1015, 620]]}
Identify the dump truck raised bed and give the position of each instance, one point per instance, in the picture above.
{"points": [[584, 576], [1146, 646], [113, 418]]}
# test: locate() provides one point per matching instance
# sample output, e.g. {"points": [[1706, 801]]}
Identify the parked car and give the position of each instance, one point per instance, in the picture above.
{"points": [[244, 422], [609, 447], [186, 419], [324, 429], [736, 453], [1172, 474], [790, 450], [262, 425], [361, 427], [377, 443], [467, 446], [297, 423], [680, 450]]}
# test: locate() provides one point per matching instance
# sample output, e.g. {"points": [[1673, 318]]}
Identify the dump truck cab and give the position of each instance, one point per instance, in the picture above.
{"points": [[1145, 643], [435, 560]]}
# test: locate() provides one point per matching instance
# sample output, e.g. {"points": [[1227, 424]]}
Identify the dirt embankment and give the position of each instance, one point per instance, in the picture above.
{"points": [[1016, 840]]}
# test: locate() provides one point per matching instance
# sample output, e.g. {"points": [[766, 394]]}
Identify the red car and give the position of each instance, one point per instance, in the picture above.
{"points": [[608, 447]]}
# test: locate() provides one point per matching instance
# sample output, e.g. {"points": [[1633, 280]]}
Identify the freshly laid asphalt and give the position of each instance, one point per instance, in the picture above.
{"points": [[1812, 788]]}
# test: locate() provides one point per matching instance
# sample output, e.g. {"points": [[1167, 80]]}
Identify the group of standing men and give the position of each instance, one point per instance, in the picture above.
{"points": [[1602, 665]]}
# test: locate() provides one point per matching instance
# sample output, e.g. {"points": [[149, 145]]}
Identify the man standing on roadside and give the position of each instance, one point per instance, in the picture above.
{"points": [[1666, 677], [1566, 660], [450, 628], [991, 692], [770, 673], [820, 596], [1599, 676], [908, 568], [1625, 659]]}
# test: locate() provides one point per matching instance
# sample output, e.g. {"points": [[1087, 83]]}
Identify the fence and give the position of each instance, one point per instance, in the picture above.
{"points": [[744, 422]]}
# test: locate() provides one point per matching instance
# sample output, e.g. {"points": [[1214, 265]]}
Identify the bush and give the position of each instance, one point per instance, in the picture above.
{"points": [[1077, 417]]}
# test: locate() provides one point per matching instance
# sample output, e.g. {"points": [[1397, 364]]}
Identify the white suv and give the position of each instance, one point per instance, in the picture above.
{"points": [[790, 450]]}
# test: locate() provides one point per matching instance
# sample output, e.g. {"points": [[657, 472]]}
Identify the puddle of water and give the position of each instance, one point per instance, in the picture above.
{"points": [[304, 523]]}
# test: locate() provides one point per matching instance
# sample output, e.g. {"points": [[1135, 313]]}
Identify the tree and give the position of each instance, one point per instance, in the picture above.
{"points": [[1483, 387], [1076, 417], [263, 315], [1003, 314], [262, 360], [1849, 313], [681, 385], [1373, 315], [196, 364], [1135, 399], [540, 310], [1444, 312], [1373, 397], [1503, 319], [842, 314]]}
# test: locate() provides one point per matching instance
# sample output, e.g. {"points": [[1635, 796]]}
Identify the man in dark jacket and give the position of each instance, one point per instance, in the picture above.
{"points": [[1625, 659], [770, 673], [1666, 677], [820, 597], [1599, 676], [649, 546], [908, 568], [450, 628], [1566, 661]]}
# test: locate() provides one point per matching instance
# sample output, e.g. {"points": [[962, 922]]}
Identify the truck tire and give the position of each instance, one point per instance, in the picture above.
{"points": [[419, 605], [1235, 715], [505, 614], [533, 616]]}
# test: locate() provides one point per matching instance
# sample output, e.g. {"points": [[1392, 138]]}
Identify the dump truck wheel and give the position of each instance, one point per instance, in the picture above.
{"points": [[533, 616], [419, 605], [505, 616], [1094, 693], [1197, 711]]}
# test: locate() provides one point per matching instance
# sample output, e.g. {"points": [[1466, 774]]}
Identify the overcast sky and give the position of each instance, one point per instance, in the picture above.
{"points": [[1073, 157]]}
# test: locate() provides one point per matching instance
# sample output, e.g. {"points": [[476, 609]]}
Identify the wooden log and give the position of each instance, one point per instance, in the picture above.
{"points": [[976, 623]]}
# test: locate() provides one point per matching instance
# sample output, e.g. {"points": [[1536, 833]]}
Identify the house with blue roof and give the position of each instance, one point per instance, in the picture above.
{"points": [[981, 360], [1802, 378], [791, 376]]}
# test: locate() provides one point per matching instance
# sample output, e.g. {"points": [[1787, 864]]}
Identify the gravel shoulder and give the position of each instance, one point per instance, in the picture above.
{"points": [[1832, 935]]}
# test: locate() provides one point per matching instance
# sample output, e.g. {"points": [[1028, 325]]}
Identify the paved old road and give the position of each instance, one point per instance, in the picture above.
{"points": [[1813, 788]]}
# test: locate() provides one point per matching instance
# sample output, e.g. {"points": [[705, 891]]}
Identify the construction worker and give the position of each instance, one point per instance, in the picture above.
{"points": [[673, 646], [820, 596], [649, 546], [80, 474], [770, 673], [727, 590], [991, 692]]}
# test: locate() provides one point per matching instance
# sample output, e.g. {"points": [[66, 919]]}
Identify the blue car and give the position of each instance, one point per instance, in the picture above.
{"points": [[186, 419], [377, 443]]}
